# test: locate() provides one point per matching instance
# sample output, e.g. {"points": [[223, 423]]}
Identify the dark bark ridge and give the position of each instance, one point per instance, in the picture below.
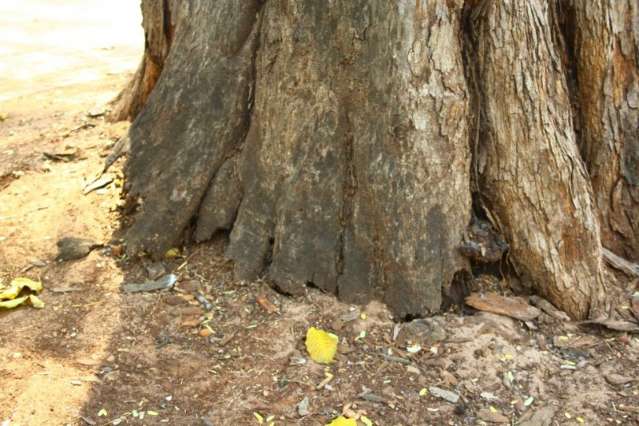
{"points": [[333, 141]]}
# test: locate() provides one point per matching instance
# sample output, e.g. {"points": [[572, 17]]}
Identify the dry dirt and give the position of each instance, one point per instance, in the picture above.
{"points": [[95, 355]]}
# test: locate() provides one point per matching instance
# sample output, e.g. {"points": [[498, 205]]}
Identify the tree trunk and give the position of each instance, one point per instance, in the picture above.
{"points": [[531, 176], [336, 144], [606, 49]]}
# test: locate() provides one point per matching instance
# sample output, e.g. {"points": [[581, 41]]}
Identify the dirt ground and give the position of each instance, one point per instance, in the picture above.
{"points": [[96, 355]]}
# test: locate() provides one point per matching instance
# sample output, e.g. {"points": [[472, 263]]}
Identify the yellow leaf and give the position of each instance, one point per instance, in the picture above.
{"points": [[342, 421], [36, 302], [423, 392], [10, 304], [152, 413], [321, 346], [580, 420], [366, 421], [102, 413], [17, 285], [172, 253], [259, 418]]}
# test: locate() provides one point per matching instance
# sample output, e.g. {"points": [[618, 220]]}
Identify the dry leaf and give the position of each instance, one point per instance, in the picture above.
{"points": [[321, 346]]}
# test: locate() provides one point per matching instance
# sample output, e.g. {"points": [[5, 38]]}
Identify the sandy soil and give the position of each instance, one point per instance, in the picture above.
{"points": [[96, 355]]}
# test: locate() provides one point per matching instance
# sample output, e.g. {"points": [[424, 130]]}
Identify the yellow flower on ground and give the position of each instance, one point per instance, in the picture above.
{"points": [[321, 346]]}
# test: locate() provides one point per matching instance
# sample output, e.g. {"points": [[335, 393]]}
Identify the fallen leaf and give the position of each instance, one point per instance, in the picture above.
{"points": [[509, 306], [36, 302], [342, 421], [10, 304], [102, 413], [321, 346], [172, 253], [17, 285], [366, 421]]}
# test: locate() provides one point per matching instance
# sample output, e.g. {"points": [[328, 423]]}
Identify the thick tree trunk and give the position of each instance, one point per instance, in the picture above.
{"points": [[347, 179], [333, 141], [606, 45], [530, 173]]}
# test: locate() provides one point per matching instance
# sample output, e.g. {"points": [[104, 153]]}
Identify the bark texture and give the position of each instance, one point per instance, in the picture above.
{"points": [[335, 141], [606, 50], [160, 22], [327, 171], [531, 176]]}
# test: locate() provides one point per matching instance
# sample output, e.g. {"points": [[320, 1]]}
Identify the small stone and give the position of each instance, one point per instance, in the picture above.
{"points": [[423, 331], [302, 407], [155, 270], [449, 396], [71, 248]]}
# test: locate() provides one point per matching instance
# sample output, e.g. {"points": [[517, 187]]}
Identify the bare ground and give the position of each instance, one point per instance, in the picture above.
{"points": [[150, 359]]}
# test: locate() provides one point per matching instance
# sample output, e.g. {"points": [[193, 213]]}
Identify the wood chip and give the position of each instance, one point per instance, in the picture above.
{"points": [[266, 304], [509, 306]]}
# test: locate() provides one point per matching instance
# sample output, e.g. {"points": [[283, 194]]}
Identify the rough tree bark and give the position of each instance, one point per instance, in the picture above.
{"points": [[531, 176], [336, 142], [606, 50]]}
